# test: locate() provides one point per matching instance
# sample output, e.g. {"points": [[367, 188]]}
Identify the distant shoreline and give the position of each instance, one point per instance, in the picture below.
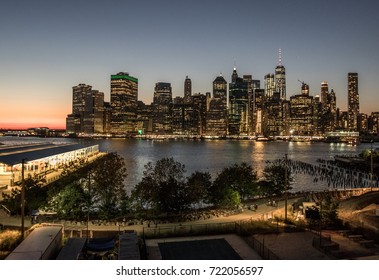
{"points": [[317, 139]]}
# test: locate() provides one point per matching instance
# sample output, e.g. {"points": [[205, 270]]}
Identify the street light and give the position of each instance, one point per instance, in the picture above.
{"points": [[320, 221], [89, 204], [372, 168], [23, 198], [285, 188]]}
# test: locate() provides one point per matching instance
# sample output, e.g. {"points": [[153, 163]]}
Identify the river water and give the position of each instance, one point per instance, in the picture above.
{"points": [[211, 156]]}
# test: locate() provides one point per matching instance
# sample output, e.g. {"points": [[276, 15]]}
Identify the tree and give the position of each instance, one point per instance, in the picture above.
{"points": [[366, 153], [329, 210], [198, 186], [68, 196], [274, 180], [106, 184], [162, 187], [70, 202], [35, 196], [230, 199], [238, 179]]}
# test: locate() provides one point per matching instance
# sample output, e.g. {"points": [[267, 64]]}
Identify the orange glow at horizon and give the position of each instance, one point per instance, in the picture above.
{"points": [[19, 123], [14, 121], [24, 117], [31, 113]]}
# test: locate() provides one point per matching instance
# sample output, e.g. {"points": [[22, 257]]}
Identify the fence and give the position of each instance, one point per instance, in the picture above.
{"points": [[242, 228], [260, 248], [193, 229]]}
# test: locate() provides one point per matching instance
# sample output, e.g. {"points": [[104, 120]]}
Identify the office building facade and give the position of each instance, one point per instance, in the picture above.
{"points": [[353, 101], [124, 97], [239, 109], [217, 113], [162, 108], [187, 90], [87, 111], [301, 113]]}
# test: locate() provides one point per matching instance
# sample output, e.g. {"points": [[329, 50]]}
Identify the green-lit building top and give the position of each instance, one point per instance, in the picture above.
{"points": [[124, 76]]}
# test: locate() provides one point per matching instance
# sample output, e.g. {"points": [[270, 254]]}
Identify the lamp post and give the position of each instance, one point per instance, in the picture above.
{"points": [[372, 169], [89, 204], [320, 218], [285, 189], [22, 199]]}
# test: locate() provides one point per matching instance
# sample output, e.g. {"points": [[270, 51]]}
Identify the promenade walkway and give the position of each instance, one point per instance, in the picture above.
{"points": [[263, 212]]}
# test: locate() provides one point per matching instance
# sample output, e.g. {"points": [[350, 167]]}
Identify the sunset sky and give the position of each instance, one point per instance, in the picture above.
{"points": [[47, 47]]}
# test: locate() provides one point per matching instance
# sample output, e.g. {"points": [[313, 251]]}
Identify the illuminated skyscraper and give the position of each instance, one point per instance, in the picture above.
{"points": [[269, 85], [185, 119], [280, 78], [324, 93], [353, 101], [187, 90], [74, 121], [275, 114], [248, 79], [305, 89], [162, 108], [259, 100], [87, 110], [94, 112], [216, 116], [238, 105], [301, 112], [124, 97], [199, 103], [373, 123], [333, 101], [79, 93], [327, 112], [144, 118]]}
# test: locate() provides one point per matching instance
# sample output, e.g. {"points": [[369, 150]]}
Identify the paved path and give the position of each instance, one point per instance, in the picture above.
{"points": [[263, 212]]}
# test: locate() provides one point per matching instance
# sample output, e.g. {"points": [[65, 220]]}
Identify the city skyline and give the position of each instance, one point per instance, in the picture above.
{"points": [[48, 48]]}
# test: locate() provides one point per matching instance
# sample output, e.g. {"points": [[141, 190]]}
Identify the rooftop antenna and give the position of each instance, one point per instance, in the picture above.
{"points": [[235, 67], [280, 57]]}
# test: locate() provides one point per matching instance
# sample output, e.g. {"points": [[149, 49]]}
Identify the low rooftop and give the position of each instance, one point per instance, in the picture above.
{"points": [[12, 155]]}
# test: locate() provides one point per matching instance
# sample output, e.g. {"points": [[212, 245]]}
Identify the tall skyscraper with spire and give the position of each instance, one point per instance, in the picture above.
{"points": [[352, 101], [234, 75], [280, 78]]}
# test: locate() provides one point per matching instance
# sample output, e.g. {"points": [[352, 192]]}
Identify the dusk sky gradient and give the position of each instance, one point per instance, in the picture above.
{"points": [[47, 47]]}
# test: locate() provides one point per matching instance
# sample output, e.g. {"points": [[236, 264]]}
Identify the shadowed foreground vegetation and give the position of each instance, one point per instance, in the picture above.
{"points": [[9, 239], [98, 190]]}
